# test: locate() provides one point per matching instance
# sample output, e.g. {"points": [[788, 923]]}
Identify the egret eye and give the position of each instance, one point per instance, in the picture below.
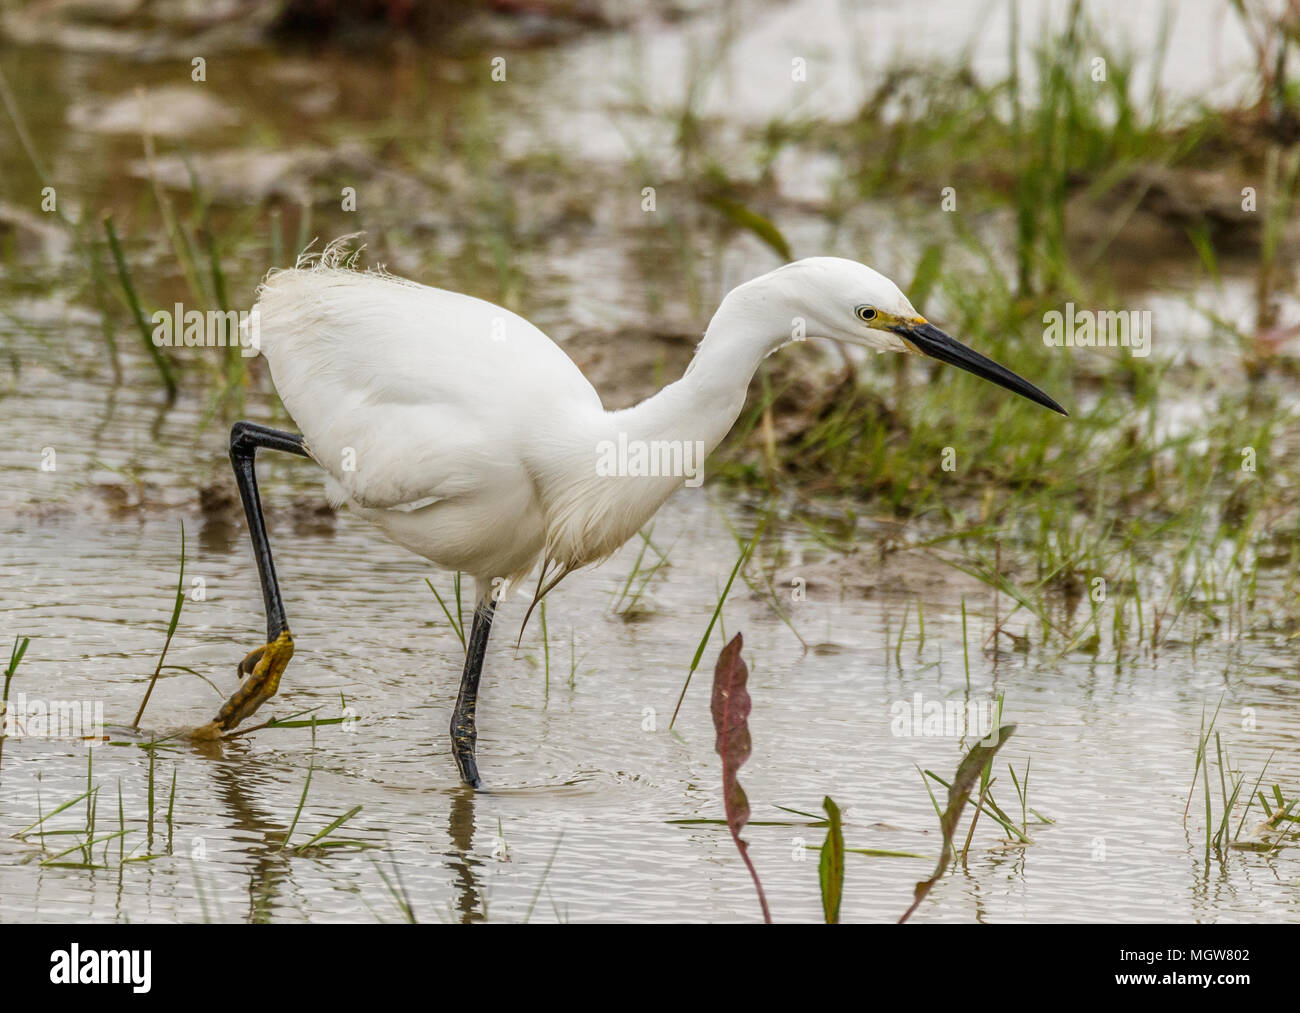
{"points": [[866, 313]]}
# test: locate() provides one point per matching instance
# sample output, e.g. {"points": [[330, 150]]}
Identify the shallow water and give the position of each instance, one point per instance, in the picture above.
{"points": [[590, 800], [574, 779]]}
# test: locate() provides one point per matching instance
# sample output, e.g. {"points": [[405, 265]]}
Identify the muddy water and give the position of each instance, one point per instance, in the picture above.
{"points": [[583, 773], [594, 809]]}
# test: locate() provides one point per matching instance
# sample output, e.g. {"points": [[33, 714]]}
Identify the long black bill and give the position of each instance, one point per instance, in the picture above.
{"points": [[934, 343]]}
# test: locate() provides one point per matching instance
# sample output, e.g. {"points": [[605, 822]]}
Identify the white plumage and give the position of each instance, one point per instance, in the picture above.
{"points": [[468, 436]]}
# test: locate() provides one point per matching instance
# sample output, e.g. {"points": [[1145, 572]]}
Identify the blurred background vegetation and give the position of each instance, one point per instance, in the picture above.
{"points": [[194, 146]]}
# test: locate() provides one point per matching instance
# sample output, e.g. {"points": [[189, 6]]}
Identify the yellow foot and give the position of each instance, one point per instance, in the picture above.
{"points": [[261, 671]]}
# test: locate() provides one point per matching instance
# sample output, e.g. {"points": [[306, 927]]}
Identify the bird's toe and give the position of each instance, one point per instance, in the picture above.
{"points": [[249, 662]]}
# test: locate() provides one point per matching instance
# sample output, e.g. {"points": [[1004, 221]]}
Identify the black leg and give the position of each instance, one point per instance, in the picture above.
{"points": [[464, 735], [262, 668], [245, 438]]}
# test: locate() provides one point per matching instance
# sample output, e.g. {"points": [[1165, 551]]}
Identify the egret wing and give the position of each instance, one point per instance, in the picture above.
{"points": [[407, 394]]}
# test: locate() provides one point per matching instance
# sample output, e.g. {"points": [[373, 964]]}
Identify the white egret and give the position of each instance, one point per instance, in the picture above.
{"points": [[468, 436]]}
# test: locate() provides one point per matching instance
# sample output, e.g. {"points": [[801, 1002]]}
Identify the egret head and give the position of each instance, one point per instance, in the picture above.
{"points": [[847, 301]]}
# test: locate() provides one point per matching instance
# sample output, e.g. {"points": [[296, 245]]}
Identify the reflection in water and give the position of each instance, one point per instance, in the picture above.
{"points": [[460, 828], [261, 833]]}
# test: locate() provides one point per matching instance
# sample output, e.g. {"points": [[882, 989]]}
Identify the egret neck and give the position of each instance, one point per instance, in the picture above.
{"points": [[643, 454], [704, 404]]}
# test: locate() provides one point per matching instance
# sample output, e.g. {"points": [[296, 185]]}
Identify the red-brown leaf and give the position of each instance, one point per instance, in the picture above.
{"points": [[730, 706]]}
